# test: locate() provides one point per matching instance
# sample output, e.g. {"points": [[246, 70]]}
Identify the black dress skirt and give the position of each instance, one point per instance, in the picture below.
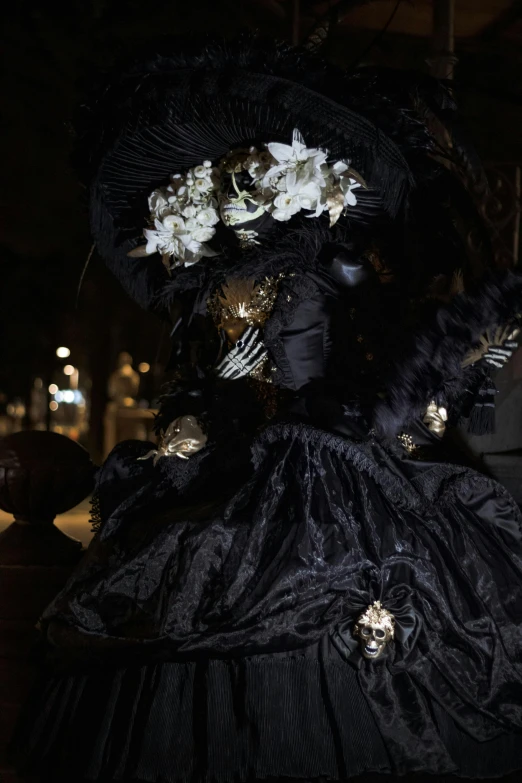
{"points": [[208, 633]]}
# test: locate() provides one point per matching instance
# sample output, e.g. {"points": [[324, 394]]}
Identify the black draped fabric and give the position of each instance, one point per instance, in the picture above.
{"points": [[266, 586]]}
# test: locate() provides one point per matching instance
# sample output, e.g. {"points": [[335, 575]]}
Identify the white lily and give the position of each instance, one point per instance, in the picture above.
{"points": [[292, 157]]}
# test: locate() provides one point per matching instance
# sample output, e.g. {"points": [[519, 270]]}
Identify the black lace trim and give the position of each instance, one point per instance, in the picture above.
{"points": [[95, 517], [180, 473], [400, 491]]}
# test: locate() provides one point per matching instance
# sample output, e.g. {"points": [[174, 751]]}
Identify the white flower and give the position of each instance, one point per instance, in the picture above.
{"points": [[348, 185], [203, 233], [203, 184], [305, 184], [339, 168], [208, 217], [300, 172], [291, 157], [285, 206], [170, 238], [158, 202], [191, 224], [191, 257], [286, 178], [173, 223], [162, 241]]}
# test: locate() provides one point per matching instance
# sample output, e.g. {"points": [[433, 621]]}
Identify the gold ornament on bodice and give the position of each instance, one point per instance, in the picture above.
{"points": [[240, 303]]}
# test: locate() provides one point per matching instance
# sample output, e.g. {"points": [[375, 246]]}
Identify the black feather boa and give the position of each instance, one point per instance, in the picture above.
{"points": [[431, 364], [289, 248]]}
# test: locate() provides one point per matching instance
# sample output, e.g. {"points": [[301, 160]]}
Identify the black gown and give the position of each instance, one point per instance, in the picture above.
{"points": [[208, 633]]}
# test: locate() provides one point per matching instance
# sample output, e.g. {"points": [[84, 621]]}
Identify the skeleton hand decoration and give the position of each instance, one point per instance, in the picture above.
{"points": [[496, 348], [499, 353], [244, 357], [375, 628]]}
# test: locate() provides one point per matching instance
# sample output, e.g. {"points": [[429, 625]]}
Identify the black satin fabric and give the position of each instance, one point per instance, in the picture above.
{"points": [[315, 339], [324, 526]]}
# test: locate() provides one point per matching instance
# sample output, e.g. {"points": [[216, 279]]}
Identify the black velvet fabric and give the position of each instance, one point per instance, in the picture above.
{"points": [[323, 526]]}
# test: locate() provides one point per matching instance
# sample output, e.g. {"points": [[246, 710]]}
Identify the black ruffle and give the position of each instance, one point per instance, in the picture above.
{"points": [[295, 717]]}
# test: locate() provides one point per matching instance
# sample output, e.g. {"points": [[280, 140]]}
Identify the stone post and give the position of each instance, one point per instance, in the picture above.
{"points": [[42, 474]]}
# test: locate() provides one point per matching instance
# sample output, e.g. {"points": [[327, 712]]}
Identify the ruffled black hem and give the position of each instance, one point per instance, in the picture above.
{"points": [[293, 717]]}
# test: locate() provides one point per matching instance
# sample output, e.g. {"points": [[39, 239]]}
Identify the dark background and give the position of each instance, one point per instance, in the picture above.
{"points": [[49, 50]]}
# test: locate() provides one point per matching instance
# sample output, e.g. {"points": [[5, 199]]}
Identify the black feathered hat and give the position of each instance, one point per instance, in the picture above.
{"points": [[171, 112]]}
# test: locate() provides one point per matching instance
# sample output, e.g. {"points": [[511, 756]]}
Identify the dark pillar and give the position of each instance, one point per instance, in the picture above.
{"points": [[443, 60]]}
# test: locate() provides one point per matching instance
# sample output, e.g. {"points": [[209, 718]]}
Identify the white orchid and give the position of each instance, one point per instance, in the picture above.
{"points": [[348, 185], [341, 173]]}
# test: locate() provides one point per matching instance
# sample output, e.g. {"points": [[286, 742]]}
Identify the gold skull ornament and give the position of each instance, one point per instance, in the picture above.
{"points": [[182, 438], [374, 629]]}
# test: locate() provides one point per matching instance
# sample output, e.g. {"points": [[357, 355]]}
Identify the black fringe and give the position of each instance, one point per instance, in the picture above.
{"points": [[482, 416]]}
